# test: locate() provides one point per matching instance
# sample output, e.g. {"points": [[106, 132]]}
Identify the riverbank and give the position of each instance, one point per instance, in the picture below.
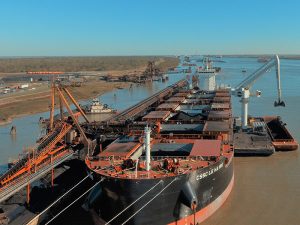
{"points": [[37, 98], [78, 64], [39, 101]]}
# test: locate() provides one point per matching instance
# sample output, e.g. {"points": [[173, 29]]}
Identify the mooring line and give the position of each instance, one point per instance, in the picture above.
{"points": [[57, 200], [53, 218], [149, 201], [133, 203]]}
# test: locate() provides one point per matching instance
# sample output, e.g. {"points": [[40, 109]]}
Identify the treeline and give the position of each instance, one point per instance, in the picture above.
{"points": [[73, 64]]}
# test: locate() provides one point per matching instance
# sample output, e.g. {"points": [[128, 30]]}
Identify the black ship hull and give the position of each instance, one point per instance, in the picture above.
{"points": [[189, 199]]}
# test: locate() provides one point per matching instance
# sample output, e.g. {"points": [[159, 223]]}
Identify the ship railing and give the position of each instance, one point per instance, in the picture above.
{"points": [[191, 121], [211, 136], [282, 140], [159, 158], [154, 158]]}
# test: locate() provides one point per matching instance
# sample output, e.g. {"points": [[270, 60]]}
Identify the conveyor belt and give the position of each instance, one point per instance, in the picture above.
{"points": [[37, 155], [131, 112], [22, 181]]}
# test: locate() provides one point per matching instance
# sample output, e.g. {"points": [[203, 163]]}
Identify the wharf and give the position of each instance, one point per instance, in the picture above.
{"points": [[24, 180]]}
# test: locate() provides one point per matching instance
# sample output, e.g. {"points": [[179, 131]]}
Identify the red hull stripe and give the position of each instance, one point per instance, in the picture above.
{"points": [[206, 212]]}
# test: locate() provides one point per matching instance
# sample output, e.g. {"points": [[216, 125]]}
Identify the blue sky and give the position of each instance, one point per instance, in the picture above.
{"points": [[148, 27]]}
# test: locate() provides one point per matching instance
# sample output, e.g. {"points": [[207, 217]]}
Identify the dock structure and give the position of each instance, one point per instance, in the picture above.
{"points": [[42, 158], [50, 151], [23, 181], [54, 148]]}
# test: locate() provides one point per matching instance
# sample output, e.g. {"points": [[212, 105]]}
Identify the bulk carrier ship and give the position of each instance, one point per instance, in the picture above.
{"points": [[172, 165]]}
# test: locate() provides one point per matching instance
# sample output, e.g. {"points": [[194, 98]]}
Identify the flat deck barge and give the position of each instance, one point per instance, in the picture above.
{"points": [[255, 141]]}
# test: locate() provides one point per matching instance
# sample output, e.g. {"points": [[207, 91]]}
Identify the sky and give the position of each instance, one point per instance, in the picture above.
{"points": [[148, 27]]}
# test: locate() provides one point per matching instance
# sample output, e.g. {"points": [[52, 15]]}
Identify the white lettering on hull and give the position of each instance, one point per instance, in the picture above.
{"points": [[210, 172]]}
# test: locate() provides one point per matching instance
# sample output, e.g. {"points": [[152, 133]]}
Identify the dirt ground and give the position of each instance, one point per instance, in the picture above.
{"points": [[35, 101]]}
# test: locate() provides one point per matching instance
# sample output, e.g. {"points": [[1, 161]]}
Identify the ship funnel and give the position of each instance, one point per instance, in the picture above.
{"points": [[147, 147]]}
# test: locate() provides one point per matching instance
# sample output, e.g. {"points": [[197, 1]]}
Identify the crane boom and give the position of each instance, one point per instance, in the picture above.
{"points": [[280, 102], [243, 89], [248, 82]]}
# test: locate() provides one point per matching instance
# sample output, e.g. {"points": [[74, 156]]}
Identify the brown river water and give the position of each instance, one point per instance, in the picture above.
{"points": [[266, 191]]}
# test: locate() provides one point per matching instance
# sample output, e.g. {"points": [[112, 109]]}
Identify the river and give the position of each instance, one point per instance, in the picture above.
{"points": [[267, 189]]}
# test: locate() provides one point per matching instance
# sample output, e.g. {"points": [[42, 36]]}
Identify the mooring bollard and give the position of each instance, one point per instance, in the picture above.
{"points": [[13, 130]]}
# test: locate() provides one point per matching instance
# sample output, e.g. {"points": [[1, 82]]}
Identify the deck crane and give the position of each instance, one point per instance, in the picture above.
{"points": [[242, 90]]}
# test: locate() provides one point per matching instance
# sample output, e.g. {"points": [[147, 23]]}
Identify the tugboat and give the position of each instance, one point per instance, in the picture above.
{"points": [[164, 77], [97, 107]]}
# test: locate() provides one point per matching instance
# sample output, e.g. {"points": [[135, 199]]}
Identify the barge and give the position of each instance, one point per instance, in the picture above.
{"points": [[255, 141], [281, 137]]}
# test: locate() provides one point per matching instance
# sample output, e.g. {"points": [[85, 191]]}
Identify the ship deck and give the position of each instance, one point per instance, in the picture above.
{"points": [[168, 159], [190, 130], [252, 144]]}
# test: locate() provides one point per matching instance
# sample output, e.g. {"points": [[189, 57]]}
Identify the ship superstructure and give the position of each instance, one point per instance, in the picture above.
{"points": [[97, 107], [207, 75]]}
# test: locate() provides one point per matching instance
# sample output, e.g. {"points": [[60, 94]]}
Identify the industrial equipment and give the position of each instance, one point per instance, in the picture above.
{"points": [[242, 90]]}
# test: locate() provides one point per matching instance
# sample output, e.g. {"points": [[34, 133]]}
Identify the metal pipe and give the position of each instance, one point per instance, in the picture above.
{"points": [[245, 101], [74, 119], [278, 77], [52, 105], [136, 168], [147, 147], [280, 102], [61, 109], [76, 104]]}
